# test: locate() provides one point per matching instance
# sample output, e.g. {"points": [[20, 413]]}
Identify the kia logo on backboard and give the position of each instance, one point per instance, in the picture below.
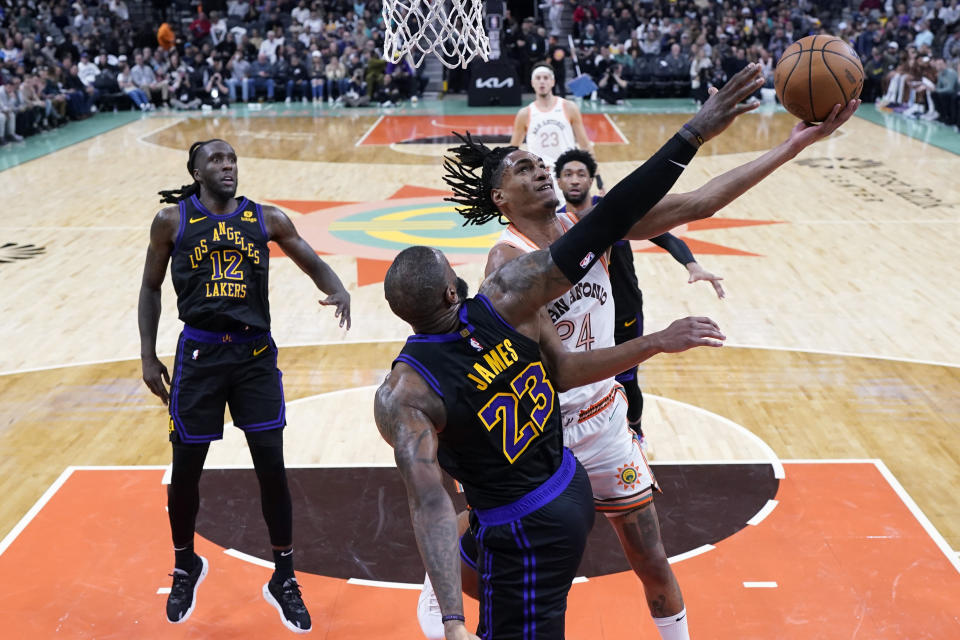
{"points": [[494, 83]]}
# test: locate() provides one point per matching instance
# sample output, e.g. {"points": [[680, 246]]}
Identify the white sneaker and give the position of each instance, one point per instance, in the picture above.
{"points": [[930, 115], [428, 612]]}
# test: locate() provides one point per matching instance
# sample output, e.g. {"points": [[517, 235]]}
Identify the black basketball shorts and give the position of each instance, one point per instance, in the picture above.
{"points": [[527, 553], [628, 327], [214, 370]]}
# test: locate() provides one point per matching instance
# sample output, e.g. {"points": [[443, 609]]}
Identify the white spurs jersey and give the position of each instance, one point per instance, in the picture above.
{"points": [[584, 318], [549, 133]]}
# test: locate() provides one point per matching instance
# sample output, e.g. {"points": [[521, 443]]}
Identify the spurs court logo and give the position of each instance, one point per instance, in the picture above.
{"points": [[12, 252], [374, 232]]}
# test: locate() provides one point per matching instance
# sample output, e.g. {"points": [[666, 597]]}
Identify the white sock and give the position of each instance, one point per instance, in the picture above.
{"points": [[673, 627]]}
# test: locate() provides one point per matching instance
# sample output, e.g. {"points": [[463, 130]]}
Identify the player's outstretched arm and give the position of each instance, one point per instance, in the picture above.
{"points": [[681, 208], [723, 106], [572, 111], [408, 414], [523, 285], [162, 234], [570, 369], [281, 230], [680, 252], [520, 127]]}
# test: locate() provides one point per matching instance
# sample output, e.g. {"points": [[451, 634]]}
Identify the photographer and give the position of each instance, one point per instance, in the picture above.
{"points": [[182, 93], [612, 87], [356, 94], [215, 91], [387, 94]]}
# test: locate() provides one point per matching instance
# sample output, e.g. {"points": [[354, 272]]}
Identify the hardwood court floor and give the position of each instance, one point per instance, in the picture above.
{"points": [[839, 316]]}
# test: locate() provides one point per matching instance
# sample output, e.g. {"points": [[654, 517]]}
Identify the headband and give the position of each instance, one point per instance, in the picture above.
{"points": [[538, 68]]}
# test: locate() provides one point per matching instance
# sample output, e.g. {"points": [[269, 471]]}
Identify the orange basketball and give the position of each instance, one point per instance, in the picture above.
{"points": [[815, 73]]}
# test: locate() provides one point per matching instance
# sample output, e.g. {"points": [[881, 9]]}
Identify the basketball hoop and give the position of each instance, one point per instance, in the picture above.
{"points": [[450, 29]]}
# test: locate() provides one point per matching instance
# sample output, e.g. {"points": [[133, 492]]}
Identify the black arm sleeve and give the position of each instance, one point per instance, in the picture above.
{"points": [[675, 246], [576, 251]]}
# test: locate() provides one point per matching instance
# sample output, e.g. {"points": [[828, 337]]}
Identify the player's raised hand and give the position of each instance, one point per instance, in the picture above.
{"points": [[688, 333], [340, 299], [154, 375], [698, 273], [804, 134], [722, 107]]}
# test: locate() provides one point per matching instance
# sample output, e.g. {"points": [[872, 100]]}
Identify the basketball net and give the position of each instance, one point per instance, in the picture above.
{"points": [[451, 29]]}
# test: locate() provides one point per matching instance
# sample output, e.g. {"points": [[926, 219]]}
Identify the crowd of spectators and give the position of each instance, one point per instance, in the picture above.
{"points": [[63, 60], [910, 49]]}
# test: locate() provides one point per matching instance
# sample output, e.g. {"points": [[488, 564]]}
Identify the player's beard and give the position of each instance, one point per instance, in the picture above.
{"points": [[221, 191], [227, 192], [577, 201]]}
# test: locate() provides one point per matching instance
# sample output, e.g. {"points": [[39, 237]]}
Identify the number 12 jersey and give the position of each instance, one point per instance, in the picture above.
{"points": [[220, 267]]}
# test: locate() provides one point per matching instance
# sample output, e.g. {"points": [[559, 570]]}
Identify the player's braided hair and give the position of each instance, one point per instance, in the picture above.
{"points": [[471, 174], [173, 196]]}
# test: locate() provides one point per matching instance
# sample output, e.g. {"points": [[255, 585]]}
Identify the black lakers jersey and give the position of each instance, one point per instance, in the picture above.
{"points": [[219, 267], [503, 437], [627, 299]]}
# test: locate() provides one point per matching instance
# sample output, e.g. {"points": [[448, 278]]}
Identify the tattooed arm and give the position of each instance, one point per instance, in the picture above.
{"points": [[519, 288], [409, 415], [570, 369]]}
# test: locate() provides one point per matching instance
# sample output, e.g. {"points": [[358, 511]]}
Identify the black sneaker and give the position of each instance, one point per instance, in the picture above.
{"points": [[183, 593], [285, 597]]}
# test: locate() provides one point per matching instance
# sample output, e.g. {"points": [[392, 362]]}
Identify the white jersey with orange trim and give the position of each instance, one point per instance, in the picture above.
{"points": [[585, 320], [549, 133]]}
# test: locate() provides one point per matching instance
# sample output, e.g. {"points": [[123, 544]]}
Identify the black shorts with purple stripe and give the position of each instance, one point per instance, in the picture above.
{"points": [[527, 553], [214, 370], [628, 327]]}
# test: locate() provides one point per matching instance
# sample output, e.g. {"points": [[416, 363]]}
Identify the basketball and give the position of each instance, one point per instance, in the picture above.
{"points": [[814, 74]]}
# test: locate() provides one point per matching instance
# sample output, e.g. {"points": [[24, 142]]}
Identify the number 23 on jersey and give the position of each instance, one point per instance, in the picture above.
{"points": [[504, 410]]}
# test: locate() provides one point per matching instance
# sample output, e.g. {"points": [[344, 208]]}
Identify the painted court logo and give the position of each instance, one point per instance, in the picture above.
{"points": [[12, 252], [374, 232]]}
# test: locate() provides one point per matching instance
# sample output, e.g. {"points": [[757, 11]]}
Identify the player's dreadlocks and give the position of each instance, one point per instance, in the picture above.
{"points": [[471, 175], [173, 196]]}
